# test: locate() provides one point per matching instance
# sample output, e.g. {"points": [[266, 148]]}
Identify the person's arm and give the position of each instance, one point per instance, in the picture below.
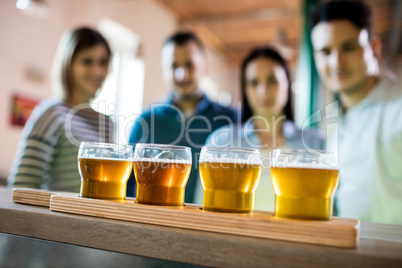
{"points": [[390, 141], [391, 155], [112, 138], [392, 162], [32, 163]]}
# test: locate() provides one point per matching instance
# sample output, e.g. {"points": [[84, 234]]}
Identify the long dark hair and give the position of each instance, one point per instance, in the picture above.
{"points": [[69, 46], [270, 53]]}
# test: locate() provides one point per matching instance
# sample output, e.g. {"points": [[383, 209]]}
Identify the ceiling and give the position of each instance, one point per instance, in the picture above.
{"points": [[233, 27]]}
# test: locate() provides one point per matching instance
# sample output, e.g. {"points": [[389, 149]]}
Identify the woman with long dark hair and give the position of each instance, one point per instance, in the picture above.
{"points": [[47, 153], [267, 117]]}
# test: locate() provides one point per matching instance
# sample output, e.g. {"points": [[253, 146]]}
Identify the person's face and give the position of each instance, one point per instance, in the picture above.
{"points": [[89, 69], [183, 67], [343, 55], [266, 87]]}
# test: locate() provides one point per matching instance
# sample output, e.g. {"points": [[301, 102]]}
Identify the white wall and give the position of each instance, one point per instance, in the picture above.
{"points": [[151, 21], [26, 41], [224, 74]]}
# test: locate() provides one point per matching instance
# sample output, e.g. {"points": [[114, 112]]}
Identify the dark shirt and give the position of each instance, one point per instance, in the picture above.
{"points": [[164, 123]]}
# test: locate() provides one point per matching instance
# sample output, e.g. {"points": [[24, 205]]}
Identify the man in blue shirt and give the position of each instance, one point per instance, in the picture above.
{"points": [[187, 117]]}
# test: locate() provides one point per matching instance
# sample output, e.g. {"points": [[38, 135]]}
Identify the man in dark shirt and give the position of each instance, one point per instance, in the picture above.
{"points": [[187, 117]]}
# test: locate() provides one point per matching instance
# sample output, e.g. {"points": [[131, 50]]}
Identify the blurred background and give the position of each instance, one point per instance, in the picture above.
{"points": [[136, 29]]}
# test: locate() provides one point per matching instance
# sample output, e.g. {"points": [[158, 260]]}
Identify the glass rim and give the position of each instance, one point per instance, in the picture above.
{"points": [[162, 146], [231, 149], [90, 144], [287, 151]]}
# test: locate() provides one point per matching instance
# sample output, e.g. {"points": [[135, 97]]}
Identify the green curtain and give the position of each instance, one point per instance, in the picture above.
{"points": [[308, 94]]}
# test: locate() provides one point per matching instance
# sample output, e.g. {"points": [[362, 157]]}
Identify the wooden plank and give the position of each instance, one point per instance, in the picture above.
{"points": [[339, 232], [380, 244], [202, 8], [32, 196], [293, 4], [257, 15]]}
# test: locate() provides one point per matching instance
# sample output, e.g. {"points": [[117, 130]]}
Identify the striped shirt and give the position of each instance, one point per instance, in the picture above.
{"points": [[47, 153]]}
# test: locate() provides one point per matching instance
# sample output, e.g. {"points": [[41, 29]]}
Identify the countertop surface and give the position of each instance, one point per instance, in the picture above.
{"points": [[380, 245]]}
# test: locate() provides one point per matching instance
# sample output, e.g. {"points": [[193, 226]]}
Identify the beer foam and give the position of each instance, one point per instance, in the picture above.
{"points": [[175, 161], [306, 165], [104, 158], [232, 161]]}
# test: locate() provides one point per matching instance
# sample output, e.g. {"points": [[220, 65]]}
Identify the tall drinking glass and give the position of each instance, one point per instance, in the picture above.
{"points": [[229, 177], [161, 172], [304, 183], [104, 169]]}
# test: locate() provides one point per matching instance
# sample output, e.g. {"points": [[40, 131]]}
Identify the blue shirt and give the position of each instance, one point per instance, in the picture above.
{"points": [[164, 123]]}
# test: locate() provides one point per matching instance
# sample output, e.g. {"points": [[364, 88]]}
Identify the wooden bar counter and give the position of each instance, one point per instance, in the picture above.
{"points": [[379, 246]]}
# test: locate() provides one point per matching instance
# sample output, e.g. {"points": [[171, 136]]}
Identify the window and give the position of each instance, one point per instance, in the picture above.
{"points": [[122, 94]]}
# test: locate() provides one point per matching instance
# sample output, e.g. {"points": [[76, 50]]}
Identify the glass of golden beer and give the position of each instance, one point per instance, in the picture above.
{"points": [[161, 172], [304, 183], [229, 177], [104, 169]]}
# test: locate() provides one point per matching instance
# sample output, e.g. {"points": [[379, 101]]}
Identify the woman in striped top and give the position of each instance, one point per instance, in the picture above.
{"points": [[47, 153]]}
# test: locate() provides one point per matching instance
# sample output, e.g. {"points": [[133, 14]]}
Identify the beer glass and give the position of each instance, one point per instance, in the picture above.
{"points": [[161, 172], [104, 169], [229, 177], [304, 183]]}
